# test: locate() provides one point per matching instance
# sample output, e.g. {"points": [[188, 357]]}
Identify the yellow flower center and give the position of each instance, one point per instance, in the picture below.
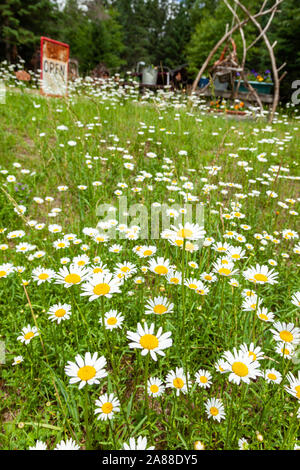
{"points": [[149, 342], [240, 369], [192, 286], [203, 379], [174, 280], [2, 273], [148, 252], [178, 382], [272, 376], [208, 277], [263, 316], [60, 312], [61, 245], [107, 408], [236, 256], [111, 321], [297, 389], [81, 263], [214, 411], [286, 336], [72, 278], [179, 242], [43, 276], [184, 233], [260, 277], [29, 335], [86, 373], [101, 289], [161, 269], [125, 269], [159, 309], [154, 388], [224, 271], [97, 270]]}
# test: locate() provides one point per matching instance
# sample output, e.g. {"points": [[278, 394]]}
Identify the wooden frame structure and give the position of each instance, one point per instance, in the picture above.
{"points": [[238, 24]]}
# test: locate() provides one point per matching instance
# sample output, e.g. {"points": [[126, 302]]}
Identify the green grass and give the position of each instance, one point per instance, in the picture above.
{"points": [[37, 401]]}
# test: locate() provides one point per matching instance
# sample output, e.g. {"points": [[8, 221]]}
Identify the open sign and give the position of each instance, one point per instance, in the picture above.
{"points": [[54, 67]]}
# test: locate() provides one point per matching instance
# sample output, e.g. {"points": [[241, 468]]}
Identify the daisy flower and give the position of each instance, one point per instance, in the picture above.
{"points": [[6, 269], [260, 275], [243, 444], [125, 269], [100, 238], [112, 320], [87, 370], [174, 277], [145, 340], [107, 405], [155, 387], [27, 334], [193, 264], [286, 333], [39, 445], [224, 270], [234, 282], [159, 266], [146, 251], [294, 385], [221, 247], [59, 244], [203, 378], [285, 349], [188, 231], [194, 284], [159, 306], [178, 380], [221, 366], [69, 444], [101, 285], [236, 253], [72, 275], [295, 298], [272, 376], [241, 366], [264, 315], [215, 409], [208, 277], [42, 275], [115, 248], [80, 261], [252, 351], [59, 312], [99, 268], [17, 360], [139, 444]]}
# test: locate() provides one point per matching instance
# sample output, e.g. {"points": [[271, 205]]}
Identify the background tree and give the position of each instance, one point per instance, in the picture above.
{"points": [[21, 25]]}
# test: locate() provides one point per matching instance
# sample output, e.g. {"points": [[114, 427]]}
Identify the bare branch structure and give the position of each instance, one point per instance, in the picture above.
{"points": [[238, 24]]}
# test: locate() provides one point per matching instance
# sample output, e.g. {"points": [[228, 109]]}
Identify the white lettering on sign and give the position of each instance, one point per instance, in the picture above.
{"points": [[55, 76]]}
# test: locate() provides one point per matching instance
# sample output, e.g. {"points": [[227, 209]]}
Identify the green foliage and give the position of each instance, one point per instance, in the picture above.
{"points": [[22, 23], [121, 33]]}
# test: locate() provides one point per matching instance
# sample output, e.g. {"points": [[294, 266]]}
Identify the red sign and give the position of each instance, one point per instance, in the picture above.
{"points": [[54, 67]]}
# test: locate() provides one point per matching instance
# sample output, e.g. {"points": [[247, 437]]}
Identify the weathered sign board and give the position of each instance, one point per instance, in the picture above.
{"points": [[54, 67]]}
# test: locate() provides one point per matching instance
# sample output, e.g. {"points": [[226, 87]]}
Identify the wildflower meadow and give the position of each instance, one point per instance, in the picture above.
{"points": [[149, 272]]}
